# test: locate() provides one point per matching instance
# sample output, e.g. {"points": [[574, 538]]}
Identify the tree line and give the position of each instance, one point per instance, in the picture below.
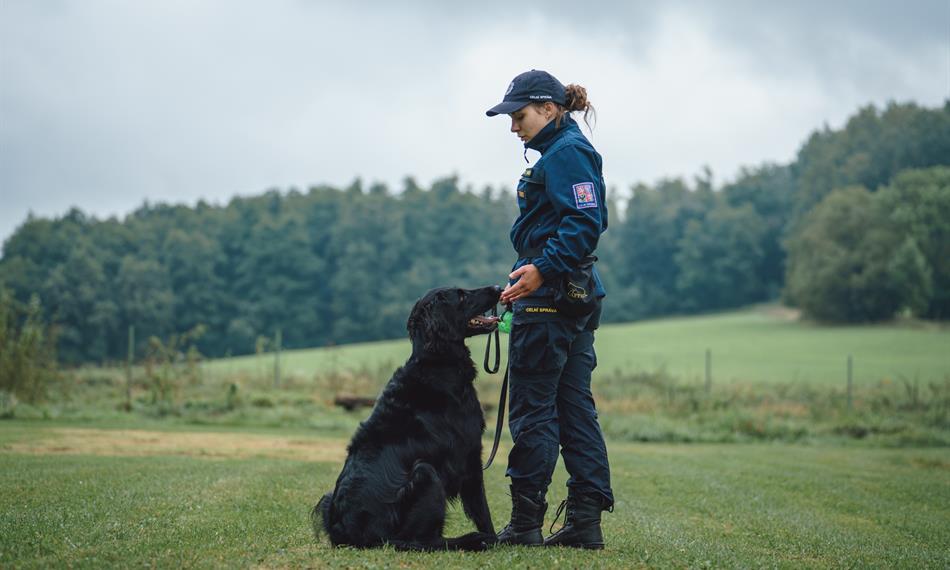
{"points": [[855, 229]]}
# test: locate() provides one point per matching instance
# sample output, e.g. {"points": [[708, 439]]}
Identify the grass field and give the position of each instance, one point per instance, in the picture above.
{"points": [[762, 344], [81, 496], [772, 467]]}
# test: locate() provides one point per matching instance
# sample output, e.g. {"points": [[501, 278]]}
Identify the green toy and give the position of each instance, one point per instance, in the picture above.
{"points": [[504, 325]]}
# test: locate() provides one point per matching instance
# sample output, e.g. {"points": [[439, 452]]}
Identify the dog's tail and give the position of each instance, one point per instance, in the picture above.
{"points": [[320, 515]]}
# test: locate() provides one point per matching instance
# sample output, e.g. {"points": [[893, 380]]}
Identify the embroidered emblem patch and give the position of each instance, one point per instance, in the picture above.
{"points": [[584, 195]]}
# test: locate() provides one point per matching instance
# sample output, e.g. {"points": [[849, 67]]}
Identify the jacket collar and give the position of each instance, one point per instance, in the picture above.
{"points": [[544, 139]]}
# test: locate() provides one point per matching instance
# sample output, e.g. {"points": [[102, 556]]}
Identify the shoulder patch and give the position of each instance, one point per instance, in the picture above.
{"points": [[584, 195]]}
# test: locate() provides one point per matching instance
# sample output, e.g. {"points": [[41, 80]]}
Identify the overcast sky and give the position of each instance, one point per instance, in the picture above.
{"points": [[104, 104]]}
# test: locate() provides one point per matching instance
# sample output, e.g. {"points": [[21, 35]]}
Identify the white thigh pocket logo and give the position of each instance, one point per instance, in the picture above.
{"points": [[584, 195]]}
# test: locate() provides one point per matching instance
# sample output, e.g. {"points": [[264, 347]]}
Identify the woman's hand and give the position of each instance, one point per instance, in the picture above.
{"points": [[528, 280]]}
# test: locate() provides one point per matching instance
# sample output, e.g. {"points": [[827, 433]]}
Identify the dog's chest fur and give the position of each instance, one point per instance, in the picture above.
{"points": [[432, 410]]}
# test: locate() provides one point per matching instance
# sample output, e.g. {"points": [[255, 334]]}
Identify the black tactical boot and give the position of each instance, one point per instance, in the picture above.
{"points": [[527, 517], [582, 524]]}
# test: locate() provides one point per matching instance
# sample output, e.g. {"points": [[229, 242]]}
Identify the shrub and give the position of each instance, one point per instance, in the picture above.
{"points": [[27, 349]]}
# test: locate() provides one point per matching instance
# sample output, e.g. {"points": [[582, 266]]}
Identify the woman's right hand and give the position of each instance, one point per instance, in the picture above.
{"points": [[528, 280]]}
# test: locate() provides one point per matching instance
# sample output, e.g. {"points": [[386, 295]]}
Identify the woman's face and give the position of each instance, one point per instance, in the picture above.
{"points": [[528, 121]]}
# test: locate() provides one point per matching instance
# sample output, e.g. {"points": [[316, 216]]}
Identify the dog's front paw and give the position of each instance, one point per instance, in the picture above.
{"points": [[475, 541], [489, 539]]}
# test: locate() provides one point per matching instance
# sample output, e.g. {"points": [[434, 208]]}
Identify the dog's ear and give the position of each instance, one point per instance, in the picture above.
{"points": [[439, 329], [414, 324], [429, 326]]}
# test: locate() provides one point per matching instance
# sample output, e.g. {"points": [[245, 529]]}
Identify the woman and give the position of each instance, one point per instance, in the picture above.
{"points": [[562, 214]]}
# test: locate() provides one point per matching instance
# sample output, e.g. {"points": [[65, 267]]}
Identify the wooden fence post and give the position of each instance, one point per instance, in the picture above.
{"points": [[128, 369], [850, 382], [277, 341]]}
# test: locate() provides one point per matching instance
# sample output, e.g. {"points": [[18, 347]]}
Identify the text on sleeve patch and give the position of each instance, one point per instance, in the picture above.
{"points": [[584, 195]]}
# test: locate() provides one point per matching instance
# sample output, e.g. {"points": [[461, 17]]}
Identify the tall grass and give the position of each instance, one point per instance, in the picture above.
{"points": [[659, 407], [653, 406]]}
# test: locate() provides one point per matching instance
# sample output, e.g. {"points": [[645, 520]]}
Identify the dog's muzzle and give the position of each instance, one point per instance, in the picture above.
{"points": [[483, 322]]}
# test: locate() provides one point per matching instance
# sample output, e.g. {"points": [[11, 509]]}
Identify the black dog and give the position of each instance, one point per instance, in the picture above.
{"points": [[422, 445]]}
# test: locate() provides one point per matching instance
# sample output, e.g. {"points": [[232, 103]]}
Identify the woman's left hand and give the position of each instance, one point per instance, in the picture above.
{"points": [[528, 280]]}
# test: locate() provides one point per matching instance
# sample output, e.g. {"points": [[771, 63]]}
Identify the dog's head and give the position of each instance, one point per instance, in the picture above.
{"points": [[447, 315]]}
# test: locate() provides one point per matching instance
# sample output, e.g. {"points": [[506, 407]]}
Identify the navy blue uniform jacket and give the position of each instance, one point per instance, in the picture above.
{"points": [[562, 203]]}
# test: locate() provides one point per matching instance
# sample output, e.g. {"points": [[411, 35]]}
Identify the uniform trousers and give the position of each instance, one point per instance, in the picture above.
{"points": [[551, 360]]}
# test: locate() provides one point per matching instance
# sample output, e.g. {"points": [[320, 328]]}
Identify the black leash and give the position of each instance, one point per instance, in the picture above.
{"points": [[494, 313], [503, 400], [501, 416]]}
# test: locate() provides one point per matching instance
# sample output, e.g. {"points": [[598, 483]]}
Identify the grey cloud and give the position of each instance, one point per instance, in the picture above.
{"points": [[106, 103]]}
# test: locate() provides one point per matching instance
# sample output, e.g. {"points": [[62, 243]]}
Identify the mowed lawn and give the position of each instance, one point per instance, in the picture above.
{"points": [[763, 344], [78, 496]]}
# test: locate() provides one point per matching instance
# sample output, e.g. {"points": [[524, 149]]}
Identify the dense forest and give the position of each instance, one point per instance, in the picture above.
{"points": [[856, 229]]}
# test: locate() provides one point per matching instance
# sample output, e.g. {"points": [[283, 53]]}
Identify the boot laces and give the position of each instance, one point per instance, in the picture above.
{"points": [[569, 505]]}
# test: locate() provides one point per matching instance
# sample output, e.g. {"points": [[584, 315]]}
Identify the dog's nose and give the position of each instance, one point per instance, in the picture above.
{"points": [[497, 289]]}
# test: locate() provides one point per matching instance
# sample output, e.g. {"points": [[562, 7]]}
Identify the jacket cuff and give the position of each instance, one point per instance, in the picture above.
{"points": [[545, 268]]}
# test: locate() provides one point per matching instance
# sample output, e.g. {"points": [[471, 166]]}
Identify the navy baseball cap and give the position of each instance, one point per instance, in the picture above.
{"points": [[530, 87]]}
